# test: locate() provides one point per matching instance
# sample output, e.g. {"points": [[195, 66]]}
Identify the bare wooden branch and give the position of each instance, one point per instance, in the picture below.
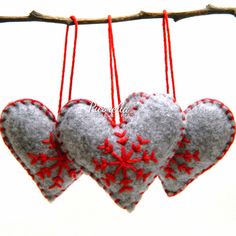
{"points": [[176, 16]]}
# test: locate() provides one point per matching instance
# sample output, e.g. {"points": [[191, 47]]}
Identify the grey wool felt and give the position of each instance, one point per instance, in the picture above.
{"points": [[210, 131], [124, 159], [27, 128]]}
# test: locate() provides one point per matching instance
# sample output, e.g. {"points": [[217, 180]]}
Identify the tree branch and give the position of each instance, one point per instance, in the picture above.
{"points": [[176, 16]]}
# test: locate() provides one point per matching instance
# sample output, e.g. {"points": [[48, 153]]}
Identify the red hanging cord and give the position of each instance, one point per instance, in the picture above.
{"points": [[167, 45], [64, 63], [63, 69], [111, 74], [73, 57], [113, 61]]}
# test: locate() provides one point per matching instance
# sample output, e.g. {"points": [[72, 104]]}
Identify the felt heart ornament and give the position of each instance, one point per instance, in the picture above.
{"points": [[27, 128], [124, 159], [210, 131]]}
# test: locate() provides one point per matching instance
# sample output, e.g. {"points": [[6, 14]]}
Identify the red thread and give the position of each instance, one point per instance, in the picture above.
{"points": [[64, 63], [142, 141], [123, 140], [167, 50], [73, 57], [136, 148], [185, 168], [106, 147], [108, 179], [63, 69], [120, 135], [169, 173], [113, 61]]}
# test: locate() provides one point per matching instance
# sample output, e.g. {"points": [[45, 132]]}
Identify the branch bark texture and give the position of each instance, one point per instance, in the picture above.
{"points": [[176, 16]]}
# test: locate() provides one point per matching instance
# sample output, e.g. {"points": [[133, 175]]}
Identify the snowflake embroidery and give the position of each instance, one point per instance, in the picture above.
{"points": [[124, 162], [175, 165], [59, 164]]}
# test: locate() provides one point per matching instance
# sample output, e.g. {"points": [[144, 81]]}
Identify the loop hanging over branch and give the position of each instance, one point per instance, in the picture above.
{"points": [[176, 16]]}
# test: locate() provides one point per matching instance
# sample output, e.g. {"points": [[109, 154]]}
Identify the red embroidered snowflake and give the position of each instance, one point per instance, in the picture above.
{"points": [[174, 165], [125, 161], [59, 163]]}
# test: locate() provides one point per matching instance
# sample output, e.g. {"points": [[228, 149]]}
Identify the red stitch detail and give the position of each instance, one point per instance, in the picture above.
{"points": [[43, 172], [60, 162], [100, 165], [57, 182], [145, 176], [109, 178], [2, 129], [136, 148], [72, 174], [124, 162], [180, 144], [169, 173], [139, 174], [183, 167], [120, 135], [123, 140], [125, 188], [142, 141], [183, 142], [173, 161], [51, 143], [107, 147], [126, 181], [117, 200], [188, 156], [5, 110], [146, 158]]}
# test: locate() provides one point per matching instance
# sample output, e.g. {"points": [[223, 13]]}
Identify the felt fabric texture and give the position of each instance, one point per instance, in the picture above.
{"points": [[210, 131], [27, 128], [124, 159]]}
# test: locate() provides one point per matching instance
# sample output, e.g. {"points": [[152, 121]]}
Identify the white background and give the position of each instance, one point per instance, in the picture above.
{"points": [[30, 67]]}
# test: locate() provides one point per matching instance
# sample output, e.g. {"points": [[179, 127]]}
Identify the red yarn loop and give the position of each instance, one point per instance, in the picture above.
{"points": [[113, 62], [73, 18], [168, 52]]}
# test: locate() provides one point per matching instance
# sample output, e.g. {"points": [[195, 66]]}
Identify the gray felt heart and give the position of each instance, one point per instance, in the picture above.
{"points": [[124, 159], [210, 131], [27, 128]]}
